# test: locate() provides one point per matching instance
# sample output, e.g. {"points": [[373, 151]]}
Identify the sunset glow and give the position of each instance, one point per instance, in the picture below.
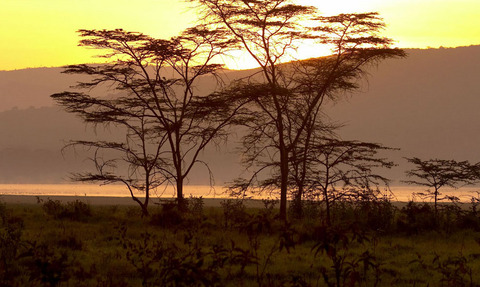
{"points": [[42, 33]]}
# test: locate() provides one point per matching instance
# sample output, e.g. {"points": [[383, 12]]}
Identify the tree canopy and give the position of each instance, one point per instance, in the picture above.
{"points": [[437, 173], [288, 98], [167, 122]]}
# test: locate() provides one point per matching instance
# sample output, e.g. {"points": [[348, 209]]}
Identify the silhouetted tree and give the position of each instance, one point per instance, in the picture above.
{"points": [[300, 162], [437, 173], [285, 97], [167, 123], [345, 170]]}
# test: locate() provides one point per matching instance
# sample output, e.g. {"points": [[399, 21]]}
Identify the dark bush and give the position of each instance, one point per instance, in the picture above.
{"points": [[78, 210], [377, 215], [75, 210], [48, 266], [469, 220], [305, 209], [234, 213], [53, 208], [167, 264], [195, 208], [339, 266], [3, 211], [454, 270], [168, 215], [11, 246], [416, 217], [449, 216], [262, 221]]}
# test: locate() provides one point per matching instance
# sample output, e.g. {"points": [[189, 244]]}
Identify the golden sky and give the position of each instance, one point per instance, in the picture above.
{"points": [[42, 33]]}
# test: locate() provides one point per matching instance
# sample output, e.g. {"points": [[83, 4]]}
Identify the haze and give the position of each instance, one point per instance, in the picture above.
{"points": [[426, 104]]}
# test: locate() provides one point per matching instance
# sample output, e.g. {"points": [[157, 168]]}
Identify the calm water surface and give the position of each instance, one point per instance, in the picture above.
{"points": [[102, 190], [401, 193]]}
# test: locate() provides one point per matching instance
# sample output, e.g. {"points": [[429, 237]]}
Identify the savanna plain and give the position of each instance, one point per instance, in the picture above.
{"points": [[367, 243]]}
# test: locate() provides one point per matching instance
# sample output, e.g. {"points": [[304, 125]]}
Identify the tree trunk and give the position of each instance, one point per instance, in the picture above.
{"points": [[147, 195], [436, 208], [144, 207], [180, 197], [327, 207], [179, 174], [298, 208], [284, 182]]}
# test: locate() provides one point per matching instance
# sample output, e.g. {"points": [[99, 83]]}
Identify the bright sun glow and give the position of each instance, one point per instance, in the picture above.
{"points": [[42, 33]]}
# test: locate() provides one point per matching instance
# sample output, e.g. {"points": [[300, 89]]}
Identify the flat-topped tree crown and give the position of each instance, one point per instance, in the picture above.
{"points": [[286, 98], [155, 102], [266, 29], [437, 173]]}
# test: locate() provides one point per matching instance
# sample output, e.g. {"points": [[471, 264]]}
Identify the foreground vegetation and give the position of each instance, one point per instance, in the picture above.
{"points": [[370, 243]]}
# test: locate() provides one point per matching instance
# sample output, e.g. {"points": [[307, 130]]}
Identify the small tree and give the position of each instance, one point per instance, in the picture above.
{"points": [[167, 123], [340, 170], [437, 173]]}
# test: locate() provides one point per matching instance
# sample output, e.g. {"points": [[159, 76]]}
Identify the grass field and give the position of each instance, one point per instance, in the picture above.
{"points": [[376, 244]]}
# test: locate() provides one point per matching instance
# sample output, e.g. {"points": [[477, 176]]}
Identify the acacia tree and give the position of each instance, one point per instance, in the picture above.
{"points": [[284, 97], [437, 173], [167, 122], [343, 170]]}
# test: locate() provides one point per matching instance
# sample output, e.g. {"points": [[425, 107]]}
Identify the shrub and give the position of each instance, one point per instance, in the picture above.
{"points": [[53, 208], [3, 211], [78, 210], [168, 264], [449, 216], [453, 270], [195, 208], [305, 209], [48, 265], [75, 210], [343, 267], [234, 213], [415, 218], [376, 215], [168, 215], [11, 229], [469, 220]]}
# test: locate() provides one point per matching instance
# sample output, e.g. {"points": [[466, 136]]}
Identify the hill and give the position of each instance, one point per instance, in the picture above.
{"points": [[426, 105]]}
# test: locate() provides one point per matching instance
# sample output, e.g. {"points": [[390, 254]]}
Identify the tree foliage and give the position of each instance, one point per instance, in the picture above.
{"points": [[345, 170], [168, 123], [437, 173], [286, 99], [166, 120]]}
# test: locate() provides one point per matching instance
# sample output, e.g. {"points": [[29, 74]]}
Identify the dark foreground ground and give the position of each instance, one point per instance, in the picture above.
{"points": [[105, 242]]}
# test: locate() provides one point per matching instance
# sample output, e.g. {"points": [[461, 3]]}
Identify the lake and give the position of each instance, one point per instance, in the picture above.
{"points": [[401, 193]]}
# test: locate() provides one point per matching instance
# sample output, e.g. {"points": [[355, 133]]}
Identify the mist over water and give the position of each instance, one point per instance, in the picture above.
{"points": [[400, 193], [104, 190]]}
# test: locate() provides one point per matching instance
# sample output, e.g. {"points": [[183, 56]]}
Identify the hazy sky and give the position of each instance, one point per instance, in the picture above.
{"points": [[41, 33]]}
